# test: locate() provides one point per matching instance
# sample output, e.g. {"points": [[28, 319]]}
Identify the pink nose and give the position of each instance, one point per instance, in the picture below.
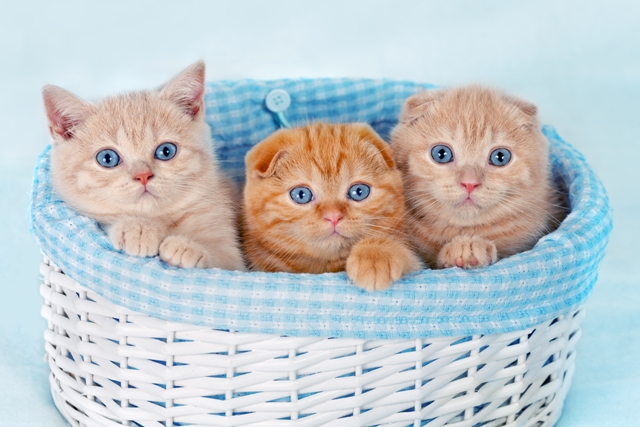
{"points": [[143, 177], [333, 217], [469, 186]]}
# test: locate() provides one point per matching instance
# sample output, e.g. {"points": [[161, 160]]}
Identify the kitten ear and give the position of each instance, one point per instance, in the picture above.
{"points": [[526, 107], [65, 111], [368, 134], [262, 159], [416, 105], [187, 90]]}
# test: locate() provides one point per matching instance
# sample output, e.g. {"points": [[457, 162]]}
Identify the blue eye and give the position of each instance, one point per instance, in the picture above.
{"points": [[108, 158], [500, 157], [359, 192], [166, 151], [442, 154], [301, 195]]}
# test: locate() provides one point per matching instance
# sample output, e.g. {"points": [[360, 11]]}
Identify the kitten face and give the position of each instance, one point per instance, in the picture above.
{"points": [[321, 188], [470, 155], [137, 175]]}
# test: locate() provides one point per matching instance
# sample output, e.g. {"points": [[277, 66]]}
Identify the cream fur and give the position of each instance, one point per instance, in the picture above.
{"points": [[512, 206], [186, 216]]}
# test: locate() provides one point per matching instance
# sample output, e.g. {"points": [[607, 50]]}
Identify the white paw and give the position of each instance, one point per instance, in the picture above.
{"points": [[467, 252], [181, 251], [136, 237]]}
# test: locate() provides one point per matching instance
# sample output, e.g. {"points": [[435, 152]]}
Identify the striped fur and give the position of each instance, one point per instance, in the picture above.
{"points": [[281, 235]]}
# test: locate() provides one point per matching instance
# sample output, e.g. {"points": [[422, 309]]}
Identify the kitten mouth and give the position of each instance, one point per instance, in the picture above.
{"points": [[335, 234], [468, 202], [146, 194]]}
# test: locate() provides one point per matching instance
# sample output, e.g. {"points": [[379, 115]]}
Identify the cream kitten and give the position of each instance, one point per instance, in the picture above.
{"points": [[142, 165], [476, 170]]}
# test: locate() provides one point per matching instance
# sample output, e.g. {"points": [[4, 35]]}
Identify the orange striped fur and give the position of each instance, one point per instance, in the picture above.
{"points": [[369, 242], [511, 207]]}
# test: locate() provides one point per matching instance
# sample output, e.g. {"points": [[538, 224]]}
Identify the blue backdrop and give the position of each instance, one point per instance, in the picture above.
{"points": [[579, 61]]}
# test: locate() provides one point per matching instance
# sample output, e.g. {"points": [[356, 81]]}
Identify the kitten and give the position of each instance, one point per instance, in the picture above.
{"points": [[326, 198], [476, 170], [142, 165]]}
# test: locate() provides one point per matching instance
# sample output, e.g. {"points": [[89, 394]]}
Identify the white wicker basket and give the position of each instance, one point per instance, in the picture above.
{"points": [[315, 350], [113, 367]]}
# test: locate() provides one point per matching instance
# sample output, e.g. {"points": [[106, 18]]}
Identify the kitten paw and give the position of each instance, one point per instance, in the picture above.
{"points": [[374, 267], [136, 237], [467, 252], [181, 251]]}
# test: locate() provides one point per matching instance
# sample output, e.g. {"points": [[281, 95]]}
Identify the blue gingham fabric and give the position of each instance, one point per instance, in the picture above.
{"points": [[515, 293]]}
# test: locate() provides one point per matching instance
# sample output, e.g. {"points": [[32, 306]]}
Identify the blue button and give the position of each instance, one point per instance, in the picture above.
{"points": [[277, 101]]}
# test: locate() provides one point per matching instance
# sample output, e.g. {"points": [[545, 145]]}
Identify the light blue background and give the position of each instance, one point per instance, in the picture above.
{"points": [[579, 61]]}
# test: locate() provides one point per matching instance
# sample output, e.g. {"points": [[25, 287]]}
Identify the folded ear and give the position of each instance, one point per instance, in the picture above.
{"points": [[416, 105], [525, 106], [187, 90], [65, 112], [262, 159], [368, 134]]}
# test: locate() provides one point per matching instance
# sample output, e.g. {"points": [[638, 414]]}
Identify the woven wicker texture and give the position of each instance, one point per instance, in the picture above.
{"points": [[514, 294], [111, 367]]}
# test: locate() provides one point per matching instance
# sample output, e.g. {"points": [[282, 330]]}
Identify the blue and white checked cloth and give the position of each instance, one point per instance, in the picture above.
{"points": [[514, 294]]}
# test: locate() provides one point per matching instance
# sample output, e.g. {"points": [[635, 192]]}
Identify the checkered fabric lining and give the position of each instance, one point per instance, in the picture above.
{"points": [[515, 293]]}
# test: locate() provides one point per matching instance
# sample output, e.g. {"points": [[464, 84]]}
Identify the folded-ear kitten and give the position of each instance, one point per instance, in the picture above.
{"points": [[477, 176], [326, 198]]}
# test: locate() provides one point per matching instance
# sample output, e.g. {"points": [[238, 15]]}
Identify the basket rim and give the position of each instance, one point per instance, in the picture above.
{"points": [[515, 293]]}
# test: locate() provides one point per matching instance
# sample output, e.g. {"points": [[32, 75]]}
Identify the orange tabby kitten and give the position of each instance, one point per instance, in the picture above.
{"points": [[326, 198], [476, 170], [142, 164]]}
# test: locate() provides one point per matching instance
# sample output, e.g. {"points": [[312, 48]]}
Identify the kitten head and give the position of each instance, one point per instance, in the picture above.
{"points": [[135, 153], [471, 155], [319, 189]]}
